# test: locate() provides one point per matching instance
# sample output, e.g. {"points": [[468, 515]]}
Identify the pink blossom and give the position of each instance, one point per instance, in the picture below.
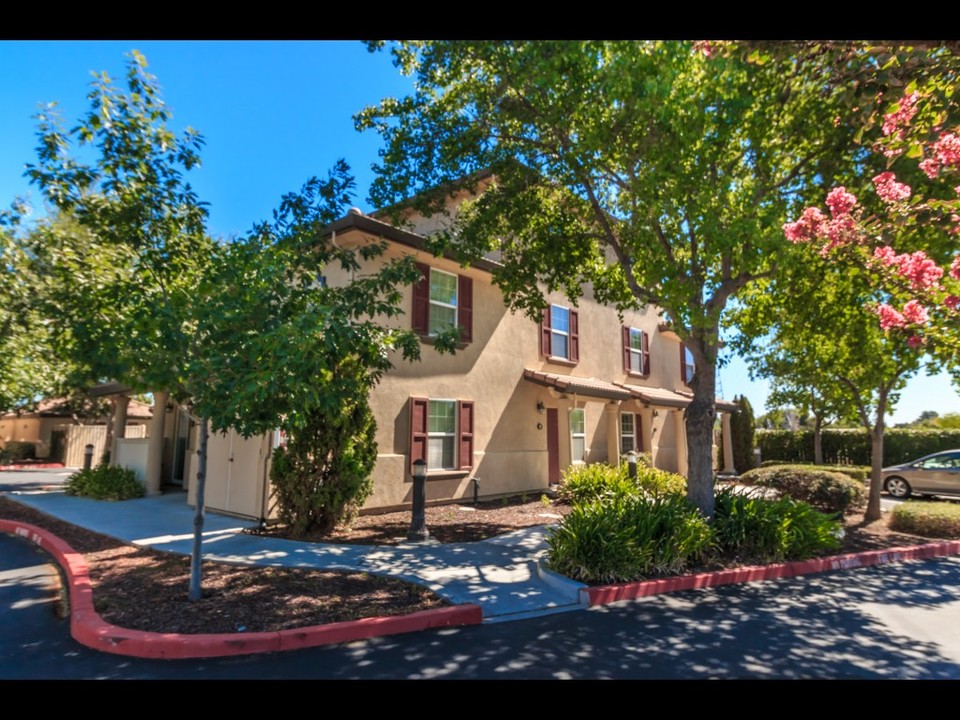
{"points": [[807, 227], [947, 149], [840, 201], [914, 341], [889, 189], [931, 166], [889, 317], [952, 301], [840, 231], [885, 255], [922, 272], [915, 313], [896, 121], [955, 268], [707, 47]]}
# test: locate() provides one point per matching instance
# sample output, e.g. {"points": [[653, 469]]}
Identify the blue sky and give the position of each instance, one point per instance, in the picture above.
{"points": [[272, 113]]}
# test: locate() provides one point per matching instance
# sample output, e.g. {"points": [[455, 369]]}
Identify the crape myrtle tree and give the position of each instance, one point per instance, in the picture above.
{"points": [[642, 172]]}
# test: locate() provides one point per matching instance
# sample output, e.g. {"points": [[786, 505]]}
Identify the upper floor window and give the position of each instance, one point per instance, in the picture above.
{"points": [[636, 351], [559, 334], [442, 300], [687, 365]]}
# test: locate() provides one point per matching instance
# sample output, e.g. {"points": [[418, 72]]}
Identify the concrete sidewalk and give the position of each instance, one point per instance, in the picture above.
{"points": [[501, 575]]}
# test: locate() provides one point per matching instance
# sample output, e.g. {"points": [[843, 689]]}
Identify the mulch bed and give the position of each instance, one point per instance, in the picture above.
{"points": [[147, 590]]}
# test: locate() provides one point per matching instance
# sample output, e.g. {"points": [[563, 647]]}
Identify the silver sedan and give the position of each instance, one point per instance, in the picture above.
{"points": [[937, 474]]}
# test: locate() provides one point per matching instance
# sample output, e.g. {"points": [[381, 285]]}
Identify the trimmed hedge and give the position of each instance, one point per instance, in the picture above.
{"points": [[857, 472], [843, 446], [829, 492], [927, 518], [19, 450]]}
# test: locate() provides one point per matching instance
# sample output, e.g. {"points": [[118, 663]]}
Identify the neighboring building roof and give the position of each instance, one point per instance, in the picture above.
{"points": [[591, 387], [356, 220], [60, 407]]}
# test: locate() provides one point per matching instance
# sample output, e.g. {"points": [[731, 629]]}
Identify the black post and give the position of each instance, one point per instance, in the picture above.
{"points": [[632, 464], [87, 456], [418, 523]]}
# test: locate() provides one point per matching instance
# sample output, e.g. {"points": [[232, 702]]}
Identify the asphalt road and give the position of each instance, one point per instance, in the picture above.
{"points": [[32, 480], [894, 621]]}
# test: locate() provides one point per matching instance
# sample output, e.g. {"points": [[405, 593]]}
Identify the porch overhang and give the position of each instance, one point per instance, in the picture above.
{"points": [[584, 387]]}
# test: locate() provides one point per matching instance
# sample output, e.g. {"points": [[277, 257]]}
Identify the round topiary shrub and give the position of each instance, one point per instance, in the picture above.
{"points": [[829, 492]]}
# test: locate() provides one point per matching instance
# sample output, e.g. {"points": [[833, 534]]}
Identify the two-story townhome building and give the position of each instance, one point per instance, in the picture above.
{"points": [[518, 402]]}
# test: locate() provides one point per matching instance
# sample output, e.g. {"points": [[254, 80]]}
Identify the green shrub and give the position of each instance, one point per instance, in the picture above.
{"points": [[829, 492], [757, 529], [587, 483], [742, 431], [106, 482], [18, 450], [929, 519], [627, 537], [857, 472]]}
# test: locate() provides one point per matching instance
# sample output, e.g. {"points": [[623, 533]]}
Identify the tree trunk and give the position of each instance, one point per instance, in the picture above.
{"points": [[876, 465], [196, 554], [818, 440], [700, 415]]}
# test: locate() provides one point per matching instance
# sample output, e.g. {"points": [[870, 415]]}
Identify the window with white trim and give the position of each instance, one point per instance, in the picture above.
{"points": [[578, 435], [559, 334], [441, 433], [443, 301], [628, 432], [636, 351]]}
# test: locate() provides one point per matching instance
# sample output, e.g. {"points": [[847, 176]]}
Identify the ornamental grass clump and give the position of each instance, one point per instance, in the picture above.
{"points": [[756, 529], [829, 492], [106, 482], [628, 537], [927, 518]]}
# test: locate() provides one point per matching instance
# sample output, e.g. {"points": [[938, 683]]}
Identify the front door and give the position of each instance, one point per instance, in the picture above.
{"points": [[553, 446]]}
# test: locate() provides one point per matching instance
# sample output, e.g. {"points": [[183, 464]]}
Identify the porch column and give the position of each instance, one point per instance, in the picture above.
{"points": [[681, 433], [155, 443], [120, 403], [727, 444], [647, 434], [613, 433]]}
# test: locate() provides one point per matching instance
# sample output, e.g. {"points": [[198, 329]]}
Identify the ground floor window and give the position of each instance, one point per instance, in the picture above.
{"points": [[628, 433], [578, 435], [441, 433]]}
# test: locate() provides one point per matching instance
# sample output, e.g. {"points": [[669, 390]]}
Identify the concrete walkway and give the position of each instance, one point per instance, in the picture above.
{"points": [[501, 575]]}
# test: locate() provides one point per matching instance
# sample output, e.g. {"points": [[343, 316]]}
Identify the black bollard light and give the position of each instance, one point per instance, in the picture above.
{"points": [[418, 523], [87, 456], [632, 464]]}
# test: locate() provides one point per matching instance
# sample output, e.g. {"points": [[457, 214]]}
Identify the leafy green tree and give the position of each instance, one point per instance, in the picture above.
{"points": [[811, 318], [742, 428], [652, 173], [275, 348]]}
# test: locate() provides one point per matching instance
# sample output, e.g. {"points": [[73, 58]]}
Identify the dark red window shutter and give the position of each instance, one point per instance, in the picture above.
{"points": [[465, 308], [626, 349], [421, 301], [545, 333], [465, 434], [574, 337], [418, 429], [645, 355], [638, 440]]}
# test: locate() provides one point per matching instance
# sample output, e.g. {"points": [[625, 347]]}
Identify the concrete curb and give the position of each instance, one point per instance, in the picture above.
{"points": [[601, 595], [33, 466], [88, 628]]}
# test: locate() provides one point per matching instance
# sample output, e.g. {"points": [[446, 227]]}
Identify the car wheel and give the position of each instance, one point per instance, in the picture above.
{"points": [[898, 487]]}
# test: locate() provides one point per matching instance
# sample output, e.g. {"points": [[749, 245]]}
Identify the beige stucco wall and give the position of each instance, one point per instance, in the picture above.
{"points": [[510, 434]]}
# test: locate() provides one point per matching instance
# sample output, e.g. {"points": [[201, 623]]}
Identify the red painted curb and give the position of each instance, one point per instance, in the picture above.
{"points": [[88, 628], [604, 594]]}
